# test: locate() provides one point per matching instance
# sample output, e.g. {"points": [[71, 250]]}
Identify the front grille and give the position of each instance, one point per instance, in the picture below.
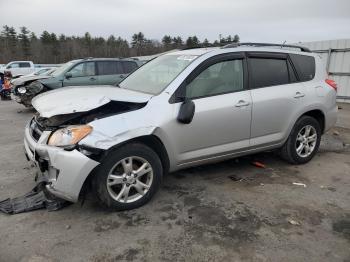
{"points": [[35, 130]]}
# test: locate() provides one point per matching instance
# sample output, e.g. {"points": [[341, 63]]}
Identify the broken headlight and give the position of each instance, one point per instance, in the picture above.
{"points": [[69, 135], [22, 90], [35, 87]]}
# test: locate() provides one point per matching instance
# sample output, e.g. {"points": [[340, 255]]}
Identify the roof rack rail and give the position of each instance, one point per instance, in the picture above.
{"points": [[302, 48], [193, 47], [86, 58]]}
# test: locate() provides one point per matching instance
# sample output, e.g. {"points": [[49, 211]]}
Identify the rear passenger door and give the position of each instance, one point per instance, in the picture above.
{"points": [[109, 72], [276, 94]]}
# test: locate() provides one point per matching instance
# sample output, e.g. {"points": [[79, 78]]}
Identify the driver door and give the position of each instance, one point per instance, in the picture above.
{"points": [[222, 118], [81, 75]]}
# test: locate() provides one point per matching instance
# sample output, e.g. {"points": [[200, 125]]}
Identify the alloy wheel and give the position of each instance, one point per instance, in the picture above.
{"points": [[306, 141], [130, 179]]}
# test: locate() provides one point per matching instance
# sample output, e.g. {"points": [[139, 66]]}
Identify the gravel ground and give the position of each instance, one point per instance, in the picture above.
{"points": [[232, 211]]}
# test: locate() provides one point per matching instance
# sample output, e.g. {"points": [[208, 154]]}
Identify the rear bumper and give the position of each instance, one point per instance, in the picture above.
{"points": [[331, 118], [64, 171]]}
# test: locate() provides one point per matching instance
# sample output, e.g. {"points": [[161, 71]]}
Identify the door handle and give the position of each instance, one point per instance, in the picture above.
{"points": [[298, 95], [242, 103], [92, 78]]}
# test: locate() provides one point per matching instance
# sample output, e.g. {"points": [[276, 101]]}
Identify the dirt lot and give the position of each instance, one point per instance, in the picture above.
{"points": [[201, 214]]}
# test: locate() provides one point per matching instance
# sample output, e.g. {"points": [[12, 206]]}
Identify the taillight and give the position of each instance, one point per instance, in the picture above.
{"points": [[332, 83]]}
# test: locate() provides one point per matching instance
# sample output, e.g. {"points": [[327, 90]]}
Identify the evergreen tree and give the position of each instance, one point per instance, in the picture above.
{"points": [[138, 42], [177, 42], [32, 37], [236, 39], [166, 41], [206, 43], [55, 47], [12, 40], [25, 42], [52, 48], [192, 41], [45, 37]]}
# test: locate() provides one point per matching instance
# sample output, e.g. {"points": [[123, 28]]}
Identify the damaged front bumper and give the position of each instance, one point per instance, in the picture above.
{"points": [[16, 98], [24, 99], [65, 171]]}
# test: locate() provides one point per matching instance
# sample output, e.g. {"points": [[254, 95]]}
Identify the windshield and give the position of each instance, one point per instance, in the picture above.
{"points": [[156, 75], [62, 68], [49, 72], [41, 71]]}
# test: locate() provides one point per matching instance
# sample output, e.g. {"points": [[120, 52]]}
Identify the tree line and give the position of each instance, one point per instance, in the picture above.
{"points": [[51, 48]]}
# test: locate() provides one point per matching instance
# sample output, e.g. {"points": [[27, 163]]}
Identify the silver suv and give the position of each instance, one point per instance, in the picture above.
{"points": [[182, 109]]}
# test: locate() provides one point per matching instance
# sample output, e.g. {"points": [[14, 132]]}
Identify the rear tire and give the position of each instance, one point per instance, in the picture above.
{"points": [[303, 141], [128, 177]]}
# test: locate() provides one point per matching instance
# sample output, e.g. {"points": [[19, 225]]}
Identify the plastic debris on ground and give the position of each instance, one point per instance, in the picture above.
{"points": [[294, 222], [299, 184], [258, 164], [36, 199], [336, 133], [238, 178]]}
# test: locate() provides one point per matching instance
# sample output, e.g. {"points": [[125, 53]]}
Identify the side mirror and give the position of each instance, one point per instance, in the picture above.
{"points": [[186, 112], [68, 75]]}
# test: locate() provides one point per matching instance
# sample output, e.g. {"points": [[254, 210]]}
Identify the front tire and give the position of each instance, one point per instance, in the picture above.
{"points": [[303, 141], [128, 177]]}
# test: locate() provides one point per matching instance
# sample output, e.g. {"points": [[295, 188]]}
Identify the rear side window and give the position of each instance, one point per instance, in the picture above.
{"points": [[24, 64], [305, 66], [109, 68], [268, 72], [129, 66]]}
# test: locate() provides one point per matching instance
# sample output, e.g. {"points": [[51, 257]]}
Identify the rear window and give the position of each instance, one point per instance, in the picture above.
{"points": [[268, 72], [305, 66], [109, 68], [129, 66]]}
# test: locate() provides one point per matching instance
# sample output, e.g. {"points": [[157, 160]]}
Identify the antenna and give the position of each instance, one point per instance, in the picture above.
{"points": [[283, 44]]}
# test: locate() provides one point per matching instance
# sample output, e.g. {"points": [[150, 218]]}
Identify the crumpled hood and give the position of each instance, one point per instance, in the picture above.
{"points": [[69, 100], [23, 79]]}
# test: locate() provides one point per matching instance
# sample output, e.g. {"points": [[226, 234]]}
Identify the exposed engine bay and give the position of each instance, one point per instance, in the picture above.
{"points": [[109, 109]]}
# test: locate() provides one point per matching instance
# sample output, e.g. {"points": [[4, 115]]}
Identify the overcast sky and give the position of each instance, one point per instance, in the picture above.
{"points": [[252, 20]]}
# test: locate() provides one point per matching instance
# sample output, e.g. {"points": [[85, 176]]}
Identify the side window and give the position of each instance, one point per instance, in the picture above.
{"points": [[109, 68], [129, 66], [13, 65], [268, 72], [83, 69], [219, 78], [24, 64], [305, 66]]}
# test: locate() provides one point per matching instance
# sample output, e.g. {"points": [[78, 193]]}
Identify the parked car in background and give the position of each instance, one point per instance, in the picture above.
{"points": [[18, 68], [41, 71], [20, 81], [180, 110], [81, 72]]}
